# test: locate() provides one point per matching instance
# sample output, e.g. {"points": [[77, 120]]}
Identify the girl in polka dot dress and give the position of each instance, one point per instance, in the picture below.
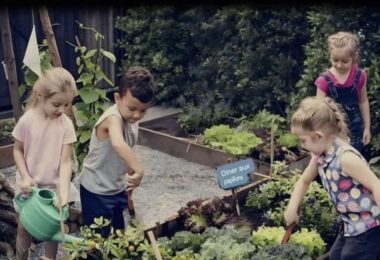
{"points": [[320, 125]]}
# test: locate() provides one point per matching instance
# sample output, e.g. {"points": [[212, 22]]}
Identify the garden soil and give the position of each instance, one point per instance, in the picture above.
{"points": [[169, 183]]}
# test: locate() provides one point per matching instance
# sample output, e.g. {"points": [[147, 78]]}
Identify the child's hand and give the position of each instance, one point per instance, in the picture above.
{"points": [[133, 179], [26, 185], [291, 216], [63, 203], [366, 136]]}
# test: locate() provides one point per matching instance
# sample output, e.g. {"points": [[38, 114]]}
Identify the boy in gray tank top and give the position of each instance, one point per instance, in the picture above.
{"points": [[104, 179]]}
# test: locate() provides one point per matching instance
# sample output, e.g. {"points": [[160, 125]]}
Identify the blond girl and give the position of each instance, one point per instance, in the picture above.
{"points": [[354, 189], [43, 145]]}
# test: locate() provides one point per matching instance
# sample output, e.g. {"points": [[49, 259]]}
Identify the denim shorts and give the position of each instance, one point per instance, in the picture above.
{"points": [[110, 207], [365, 246]]}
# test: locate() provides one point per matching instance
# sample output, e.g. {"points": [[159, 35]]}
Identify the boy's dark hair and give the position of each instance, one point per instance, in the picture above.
{"points": [[140, 82]]}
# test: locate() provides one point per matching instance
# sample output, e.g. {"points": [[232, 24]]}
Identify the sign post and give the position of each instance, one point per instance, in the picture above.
{"points": [[234, 175]]}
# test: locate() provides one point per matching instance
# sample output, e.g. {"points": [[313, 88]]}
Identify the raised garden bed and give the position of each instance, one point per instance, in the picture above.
{"points": [[173, 227], [166, 135]]}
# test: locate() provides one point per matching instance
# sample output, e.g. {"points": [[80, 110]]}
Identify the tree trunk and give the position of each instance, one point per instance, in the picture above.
{"points": [[8, 218]]}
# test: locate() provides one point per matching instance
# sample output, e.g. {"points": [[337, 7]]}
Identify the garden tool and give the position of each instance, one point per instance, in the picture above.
{"points": [[131, 207], [41, 218], [289, 230]]}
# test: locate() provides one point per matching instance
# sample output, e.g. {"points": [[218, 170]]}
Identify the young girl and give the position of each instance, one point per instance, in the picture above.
{"points": [[354, 189], [346, 84], [43, 145]]}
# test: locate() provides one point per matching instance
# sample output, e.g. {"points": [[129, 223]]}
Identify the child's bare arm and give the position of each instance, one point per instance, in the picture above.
{"points": [[357, 169], [18, 155], [123, 150], [300, 190], [65, 172], [365, 112]]}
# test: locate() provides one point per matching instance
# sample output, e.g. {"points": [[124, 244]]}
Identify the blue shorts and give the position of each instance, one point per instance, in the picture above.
{"points": [[365, 246], [110, 207]]}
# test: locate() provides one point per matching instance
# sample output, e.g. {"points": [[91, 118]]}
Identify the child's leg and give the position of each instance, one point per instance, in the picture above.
{"points": [[336, 249], [51, 248], [121, 203], [362, 247], [95, 206], [23, 241]]}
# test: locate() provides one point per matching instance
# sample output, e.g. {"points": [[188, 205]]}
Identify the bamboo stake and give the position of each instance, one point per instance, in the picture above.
{"points": [[61, 219], [10, 65], [271, 148], [53, 49], [46, 25], [155, 248]]}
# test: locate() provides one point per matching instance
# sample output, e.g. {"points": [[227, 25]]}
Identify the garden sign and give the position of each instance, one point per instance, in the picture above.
{"points": [[235, 174]]}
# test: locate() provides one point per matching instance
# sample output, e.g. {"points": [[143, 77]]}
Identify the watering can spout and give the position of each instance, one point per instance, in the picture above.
{"points": [[68, 239]]}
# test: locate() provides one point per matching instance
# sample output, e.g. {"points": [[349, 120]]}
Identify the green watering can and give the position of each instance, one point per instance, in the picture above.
{"points": [[41, 218]]}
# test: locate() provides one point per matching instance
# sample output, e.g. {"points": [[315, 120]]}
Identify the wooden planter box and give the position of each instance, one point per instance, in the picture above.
{"points": [[6, 156], [156, 135], [172, 225]]}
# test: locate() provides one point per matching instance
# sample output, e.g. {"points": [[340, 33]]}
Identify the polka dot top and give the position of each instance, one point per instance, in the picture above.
{"points": [[353, 201]]}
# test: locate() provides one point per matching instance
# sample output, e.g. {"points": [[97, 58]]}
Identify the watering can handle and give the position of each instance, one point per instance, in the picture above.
{"points": [[20, 200]]}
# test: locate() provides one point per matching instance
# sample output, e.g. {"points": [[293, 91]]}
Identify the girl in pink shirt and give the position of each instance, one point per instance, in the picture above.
{"points": [[346, 84], [43, 145]]}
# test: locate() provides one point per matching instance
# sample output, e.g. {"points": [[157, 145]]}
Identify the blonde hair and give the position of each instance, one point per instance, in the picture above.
{"points": [[315, 113], [345, 40], [51, 81]]}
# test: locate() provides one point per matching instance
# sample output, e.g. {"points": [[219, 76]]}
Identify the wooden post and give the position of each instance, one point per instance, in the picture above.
{"points": [[10, 66], [53, 49], [155, 248], [49, 33]]}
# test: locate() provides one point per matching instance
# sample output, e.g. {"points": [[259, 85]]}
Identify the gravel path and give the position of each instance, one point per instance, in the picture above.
{"points": [[169, 183]]}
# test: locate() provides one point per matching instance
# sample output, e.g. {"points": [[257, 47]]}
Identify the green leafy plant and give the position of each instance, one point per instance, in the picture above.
{"points": [[6, 128], [288, 140], [271, 199], [199, 214], [93, 100], [130, 244], [311, 240], [233, 142], [281, 252], [29, 76]]}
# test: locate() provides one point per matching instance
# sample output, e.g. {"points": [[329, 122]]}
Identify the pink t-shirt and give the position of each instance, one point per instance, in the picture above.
{"points": [[321, 83], [42, 142]]}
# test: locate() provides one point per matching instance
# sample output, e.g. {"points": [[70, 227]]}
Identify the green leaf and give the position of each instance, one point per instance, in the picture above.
{"points": [[85, 78], [88, 95], [109, 55], [90, 53], [85, 136]]}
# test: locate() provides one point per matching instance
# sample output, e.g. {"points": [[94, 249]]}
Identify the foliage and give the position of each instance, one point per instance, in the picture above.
{"points": [[288, 140], [199, 214], [317, 211], [263, 120], [93, 101], [6, 128], [247, 58], [29, 76], [311, 240], [233, 142], [130, 244], [281, 252], [203, 115]]}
